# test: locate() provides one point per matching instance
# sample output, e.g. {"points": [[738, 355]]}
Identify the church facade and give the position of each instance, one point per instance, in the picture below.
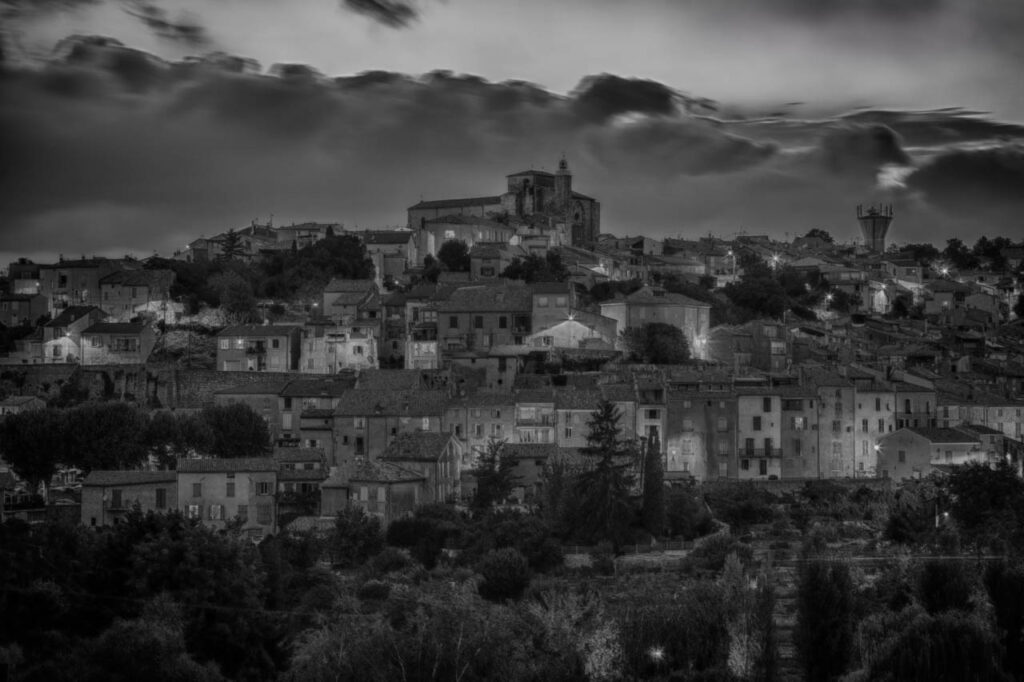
{"points": [[535, 201]]}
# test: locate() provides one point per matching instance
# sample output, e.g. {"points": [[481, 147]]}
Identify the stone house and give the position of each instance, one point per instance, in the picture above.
{"points": [[108, 495], [117, 343], [217, 490], [654, 304], [21, 309], [258, 348], [435, 456], [62, 336], [917, 452], [125, 293]]}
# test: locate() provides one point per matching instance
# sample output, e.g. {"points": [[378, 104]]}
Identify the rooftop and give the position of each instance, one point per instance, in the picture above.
{"points": [[111, 478], [223, 465], [420, 446], [115, 328], [458, 203]]}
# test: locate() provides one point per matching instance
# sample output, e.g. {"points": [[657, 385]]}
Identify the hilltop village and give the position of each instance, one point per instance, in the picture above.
{"points": [[501, 353]]}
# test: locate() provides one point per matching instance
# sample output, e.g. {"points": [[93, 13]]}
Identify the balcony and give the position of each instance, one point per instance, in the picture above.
{"points": [[256, 349], [761, 452], [539, 420]]}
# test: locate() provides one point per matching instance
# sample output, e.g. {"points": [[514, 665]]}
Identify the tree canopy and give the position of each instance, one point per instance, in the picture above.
{"points": [[657, 343], [454, 255]]}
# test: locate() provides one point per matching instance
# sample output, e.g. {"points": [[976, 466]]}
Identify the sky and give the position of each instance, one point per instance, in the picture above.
{"points": [[134, 126]]}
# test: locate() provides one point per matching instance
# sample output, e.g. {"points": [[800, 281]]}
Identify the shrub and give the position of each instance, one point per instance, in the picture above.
{"points": [[710, 554], [944, 586], [389, 561], [374, 590], [506, 574]]}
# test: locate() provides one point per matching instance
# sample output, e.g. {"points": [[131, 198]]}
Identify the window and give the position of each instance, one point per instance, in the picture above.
{"points": [[949, 455], [652, 414], [496, 429], [762, 467], [745, 464], [426, 423], [263, 488], [837, 426], [542, 301], [475, 412], [243, 512], [568, 432], [902, 456], [287, 403], [502, 322], [197, 490], [723, 447], [225, 344], [359, 422], [881, 426], [798, 446], [195, 511], [561, 301], [878, 404], [478, 430], [96, 341], [358, 350], [161, 498], [115, 499], [749, 445], [360, 447], [864, 425], [216, 512], [230, 492], [263, 514], [799, 423], [275, 343], [496, 414], [757, 423], [723, 424], [766, 405], [453, 322]]}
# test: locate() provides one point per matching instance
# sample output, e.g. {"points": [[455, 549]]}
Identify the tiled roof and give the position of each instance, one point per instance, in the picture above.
{"points": [[383, 472], [420, 446], [619, 393], [140, 278], [530, 450], [223, 465], [108, 478], [369, 402], [338, 285], [395, 379], [577, 399], [550, 287], [535, 395], [304, 388], [945, 435], [69, 315], [981, 430], [501, 297], [272, 387], [458, 203], [257, 330], [283, 454], [316, 413], [115, 328]]}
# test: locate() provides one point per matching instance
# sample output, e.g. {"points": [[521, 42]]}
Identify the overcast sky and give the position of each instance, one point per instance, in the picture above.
{"points": [[682, 117]]}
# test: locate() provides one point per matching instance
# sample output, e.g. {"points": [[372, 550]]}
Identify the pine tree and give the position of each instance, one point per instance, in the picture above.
{"points": [[231, 246], [604, 509], [654, 488], [495, 476]]}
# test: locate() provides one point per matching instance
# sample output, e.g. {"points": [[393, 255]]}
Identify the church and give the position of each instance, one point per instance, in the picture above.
{"points": [[536, 202]]}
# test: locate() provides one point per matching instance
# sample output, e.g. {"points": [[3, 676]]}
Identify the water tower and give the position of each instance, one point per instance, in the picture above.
{"points": [[874, 224]]}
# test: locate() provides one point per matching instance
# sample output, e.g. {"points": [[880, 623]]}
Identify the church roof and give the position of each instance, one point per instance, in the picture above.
{"points": [[577, 195], [458, 203], [531, 172]]}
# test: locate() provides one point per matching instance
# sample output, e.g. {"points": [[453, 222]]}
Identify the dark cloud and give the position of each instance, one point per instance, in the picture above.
{"points": [[937, 127], [184, 29], [979, 182], [393, 13], [109, 149], [861, 149], [599, 98]]}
